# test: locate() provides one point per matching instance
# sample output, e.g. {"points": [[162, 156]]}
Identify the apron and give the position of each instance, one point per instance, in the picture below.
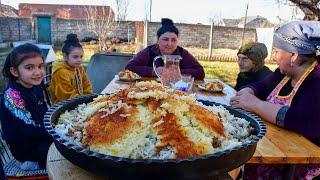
{"points": [[306, 171], [274, 96]]}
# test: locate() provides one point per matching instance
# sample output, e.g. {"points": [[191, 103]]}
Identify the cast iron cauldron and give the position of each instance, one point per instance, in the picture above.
{"points": [[211, 165]]}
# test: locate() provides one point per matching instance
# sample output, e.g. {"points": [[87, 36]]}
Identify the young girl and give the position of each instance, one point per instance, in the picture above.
{"points": [[69, 78], [23, 105]]}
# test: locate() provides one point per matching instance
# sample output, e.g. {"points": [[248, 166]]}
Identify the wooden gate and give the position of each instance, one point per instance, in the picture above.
{"points": [[44, 29]]}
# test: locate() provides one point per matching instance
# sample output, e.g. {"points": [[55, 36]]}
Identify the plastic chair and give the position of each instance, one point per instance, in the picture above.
{"points": [[103, 67], [10, 164]]}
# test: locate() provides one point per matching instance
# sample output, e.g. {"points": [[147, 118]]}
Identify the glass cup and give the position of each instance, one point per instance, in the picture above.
{"points": [[185, 84]]}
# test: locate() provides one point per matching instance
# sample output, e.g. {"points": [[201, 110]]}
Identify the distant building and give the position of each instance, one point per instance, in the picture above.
{"points": [[252, 22], [6, 10], [63, 11]]}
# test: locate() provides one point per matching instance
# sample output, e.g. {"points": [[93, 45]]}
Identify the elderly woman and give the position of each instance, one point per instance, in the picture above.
{"points": [[251, 64], [167, 44], [289, 97]]}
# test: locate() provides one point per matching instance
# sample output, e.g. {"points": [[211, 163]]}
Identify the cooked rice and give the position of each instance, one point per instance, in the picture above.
{"points": [[147, 120]]}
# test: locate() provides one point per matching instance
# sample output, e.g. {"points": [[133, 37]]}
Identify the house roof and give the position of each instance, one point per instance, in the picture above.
{"points": [[231, 22], [251, 22], [63, 11], [6, 10], [259, 23]]}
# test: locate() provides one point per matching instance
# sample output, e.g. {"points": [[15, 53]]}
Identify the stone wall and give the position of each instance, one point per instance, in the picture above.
{"points": [[199, 35], [124, 30], [19, 29], [15, 29]]}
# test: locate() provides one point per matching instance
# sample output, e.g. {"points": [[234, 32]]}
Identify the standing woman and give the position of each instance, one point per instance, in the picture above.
{"points": [[69, 78], [290, 97], [167, 44]]}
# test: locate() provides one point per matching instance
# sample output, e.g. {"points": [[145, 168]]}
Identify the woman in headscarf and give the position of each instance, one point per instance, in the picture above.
{"points": [[290, 97], [251, 64], [167, 44]]}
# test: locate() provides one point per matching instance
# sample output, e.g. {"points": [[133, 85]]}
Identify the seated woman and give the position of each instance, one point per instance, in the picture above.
{"points": [[167, 44], [289, 97], [251, 64]]}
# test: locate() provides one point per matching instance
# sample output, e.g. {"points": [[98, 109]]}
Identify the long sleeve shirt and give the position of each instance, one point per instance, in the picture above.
{"points": [[67, 82], [141, 63], [303, 114], [22, 112]]}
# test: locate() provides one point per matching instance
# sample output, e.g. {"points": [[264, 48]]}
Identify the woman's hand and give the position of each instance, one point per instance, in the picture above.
{"points": [[245, 90], [246, 100]]}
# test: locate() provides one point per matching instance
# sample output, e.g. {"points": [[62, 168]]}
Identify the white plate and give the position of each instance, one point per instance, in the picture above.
{"points": [[202, 87], [129, 80]]}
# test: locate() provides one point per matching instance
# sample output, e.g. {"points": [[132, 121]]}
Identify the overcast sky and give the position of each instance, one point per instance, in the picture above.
{"points": [[186, 11]]}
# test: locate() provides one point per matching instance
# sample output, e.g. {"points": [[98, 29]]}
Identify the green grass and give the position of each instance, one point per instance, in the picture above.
{"points": [[88, 52]]}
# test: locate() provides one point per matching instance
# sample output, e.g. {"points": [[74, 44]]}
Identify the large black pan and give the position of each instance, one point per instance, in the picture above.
{"points": [[208, 165]]}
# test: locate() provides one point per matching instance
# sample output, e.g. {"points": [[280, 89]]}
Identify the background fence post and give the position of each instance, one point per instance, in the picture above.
{"points": [[211, 37]]}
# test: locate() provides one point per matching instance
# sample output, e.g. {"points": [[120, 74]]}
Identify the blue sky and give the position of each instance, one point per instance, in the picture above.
{"points": [[186, 11]]}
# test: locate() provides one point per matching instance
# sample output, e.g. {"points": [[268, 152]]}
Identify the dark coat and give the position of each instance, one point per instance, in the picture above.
{"points": [[22, 112], [246, 78], [141, 63]]}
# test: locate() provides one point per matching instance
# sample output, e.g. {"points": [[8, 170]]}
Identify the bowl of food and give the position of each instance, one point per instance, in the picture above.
{"points": [[151, 131], [128, 76], [212, 86]]}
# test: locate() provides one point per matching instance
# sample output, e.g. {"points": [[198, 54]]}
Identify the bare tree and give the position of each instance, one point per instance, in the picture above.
{"points": [[122, 9], [100, 20], [310, 8]]}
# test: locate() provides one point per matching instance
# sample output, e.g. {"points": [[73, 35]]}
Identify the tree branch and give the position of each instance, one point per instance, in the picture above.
{"points": [[308, 7]]}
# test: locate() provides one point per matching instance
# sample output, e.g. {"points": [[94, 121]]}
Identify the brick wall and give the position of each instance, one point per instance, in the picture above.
{"points": [[15, 29], [199, 35]]}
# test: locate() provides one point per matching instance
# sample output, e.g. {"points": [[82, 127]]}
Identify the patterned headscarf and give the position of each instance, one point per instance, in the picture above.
{"points": [[302, 37]]}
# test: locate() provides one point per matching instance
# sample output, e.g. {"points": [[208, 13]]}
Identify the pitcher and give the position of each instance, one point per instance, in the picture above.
{"points": [[170, 72]]}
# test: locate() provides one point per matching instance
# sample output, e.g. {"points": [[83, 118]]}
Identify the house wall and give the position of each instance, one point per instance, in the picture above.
{"points": [[63, 11]]}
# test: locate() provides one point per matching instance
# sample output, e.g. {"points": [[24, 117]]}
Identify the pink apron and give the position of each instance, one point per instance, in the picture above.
{"points": [[274, 96], [308, 171]]}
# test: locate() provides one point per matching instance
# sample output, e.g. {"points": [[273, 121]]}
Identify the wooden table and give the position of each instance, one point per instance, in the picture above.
{"points": [[277, 146]]}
